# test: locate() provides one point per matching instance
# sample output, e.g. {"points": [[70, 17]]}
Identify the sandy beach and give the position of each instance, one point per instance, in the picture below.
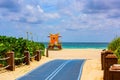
{"points": [[91, 69]]}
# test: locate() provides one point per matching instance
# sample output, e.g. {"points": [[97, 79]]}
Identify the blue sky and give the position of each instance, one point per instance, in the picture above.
{"points": [[75, 20]]}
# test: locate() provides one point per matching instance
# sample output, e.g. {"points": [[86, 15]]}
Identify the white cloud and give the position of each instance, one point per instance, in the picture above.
{"points": [[29, 7], [52, 15], [35, 14], [32, 19], [40, 9]]}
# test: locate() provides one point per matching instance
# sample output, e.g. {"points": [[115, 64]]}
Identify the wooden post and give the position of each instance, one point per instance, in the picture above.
{"points": [[114, 72], [109, 61], [102, 63], [37, 57], [11, 61], [27, 57], [47, 52], [103, 56], [40, 54]]}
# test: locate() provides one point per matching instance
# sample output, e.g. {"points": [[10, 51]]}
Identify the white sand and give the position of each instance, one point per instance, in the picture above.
{"points": [[91, 70]]}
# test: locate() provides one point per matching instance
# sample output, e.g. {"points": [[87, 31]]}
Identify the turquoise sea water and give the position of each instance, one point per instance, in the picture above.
{"points": [[82, 45]]}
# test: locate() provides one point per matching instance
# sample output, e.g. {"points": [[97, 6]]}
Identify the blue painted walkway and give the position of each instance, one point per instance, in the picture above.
{"points": [[57, 70]]}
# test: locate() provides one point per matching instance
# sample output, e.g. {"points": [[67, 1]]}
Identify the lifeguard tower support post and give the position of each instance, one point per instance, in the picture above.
{"points": [[54, 42]]}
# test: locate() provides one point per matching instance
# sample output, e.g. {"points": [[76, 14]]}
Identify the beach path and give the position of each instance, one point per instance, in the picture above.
{"points": [[58, 69]]}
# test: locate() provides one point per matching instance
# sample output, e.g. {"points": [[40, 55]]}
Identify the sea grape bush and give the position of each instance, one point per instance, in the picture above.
{"points": [[18, 45]]}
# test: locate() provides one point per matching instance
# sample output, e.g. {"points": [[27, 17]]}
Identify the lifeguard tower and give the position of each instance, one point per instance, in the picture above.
{"points": [[54, 42]]}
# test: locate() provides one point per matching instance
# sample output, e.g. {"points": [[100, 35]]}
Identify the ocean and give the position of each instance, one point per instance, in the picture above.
{"points": [[83, 45]]}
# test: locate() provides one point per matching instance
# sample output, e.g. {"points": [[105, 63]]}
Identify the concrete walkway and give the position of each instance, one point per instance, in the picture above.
{"points": [[57, 70]]}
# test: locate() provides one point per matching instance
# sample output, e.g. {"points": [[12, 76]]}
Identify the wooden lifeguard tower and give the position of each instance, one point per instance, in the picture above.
{"points": [[54, 42]]}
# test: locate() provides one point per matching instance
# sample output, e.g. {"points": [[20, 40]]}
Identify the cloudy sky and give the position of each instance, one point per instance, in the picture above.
{"points": [[75, 20]]}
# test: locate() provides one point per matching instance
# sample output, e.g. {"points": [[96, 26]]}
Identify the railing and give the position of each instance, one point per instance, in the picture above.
{"points": [[37, 55], [22, 58], [4, 59], [10, 59]]}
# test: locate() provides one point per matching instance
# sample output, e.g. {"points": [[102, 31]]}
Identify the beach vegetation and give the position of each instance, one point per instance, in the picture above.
{"points": [[18, 46], [114, 45]]}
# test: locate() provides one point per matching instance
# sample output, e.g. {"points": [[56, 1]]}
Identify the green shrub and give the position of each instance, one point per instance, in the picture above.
{"points": [[117, 52], [114, 44], [18, 46], [118, 61], [115, 47]]}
